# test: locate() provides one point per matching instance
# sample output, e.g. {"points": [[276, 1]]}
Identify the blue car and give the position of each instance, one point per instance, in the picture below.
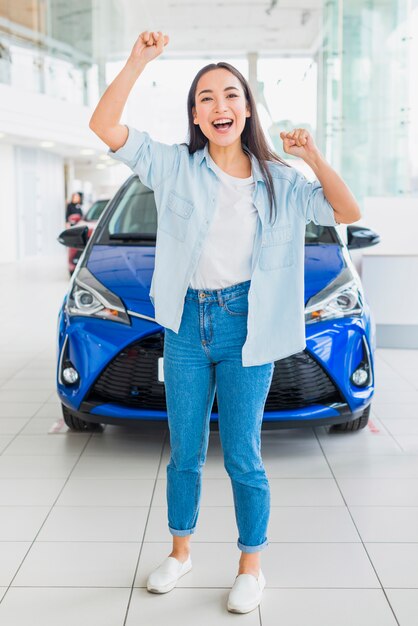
{"points": [[110, 348]]}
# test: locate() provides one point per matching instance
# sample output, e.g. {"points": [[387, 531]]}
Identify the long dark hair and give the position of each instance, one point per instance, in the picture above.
{"points": [[252, 136]]}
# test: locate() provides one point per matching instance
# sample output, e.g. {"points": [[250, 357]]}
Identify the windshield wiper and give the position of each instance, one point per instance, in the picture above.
{"points": [[133, 236]]}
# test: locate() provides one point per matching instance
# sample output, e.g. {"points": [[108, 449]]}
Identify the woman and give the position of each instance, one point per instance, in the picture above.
{"points": [[227, 286], [74, 207]]}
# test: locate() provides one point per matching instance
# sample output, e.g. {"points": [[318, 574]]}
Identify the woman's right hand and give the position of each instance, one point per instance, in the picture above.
{"points": [[148, 46]]}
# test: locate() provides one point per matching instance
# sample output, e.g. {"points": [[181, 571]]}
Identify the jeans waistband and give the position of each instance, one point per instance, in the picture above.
{"points": [[217, 295]]}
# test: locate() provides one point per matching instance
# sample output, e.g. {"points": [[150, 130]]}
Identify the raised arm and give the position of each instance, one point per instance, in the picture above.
{"points": [[316, 198], [105, 121]]}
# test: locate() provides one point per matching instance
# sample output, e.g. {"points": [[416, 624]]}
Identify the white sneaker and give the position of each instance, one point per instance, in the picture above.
{"points": [[246, 592], [165, 577]]}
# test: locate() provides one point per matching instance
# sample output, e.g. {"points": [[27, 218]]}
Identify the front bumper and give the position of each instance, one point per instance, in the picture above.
{"points": [[118, 367]]}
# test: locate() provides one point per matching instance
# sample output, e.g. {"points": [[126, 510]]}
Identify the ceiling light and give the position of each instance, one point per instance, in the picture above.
{"points": [[100, 166], [47, 144], [87, 151]]}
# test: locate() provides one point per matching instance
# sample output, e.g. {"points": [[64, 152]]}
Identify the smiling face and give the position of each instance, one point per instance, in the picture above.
{"points": [[220, 107]]}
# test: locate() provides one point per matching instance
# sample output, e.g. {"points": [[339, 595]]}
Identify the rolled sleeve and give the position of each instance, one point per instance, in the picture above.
{"points": [[152, 160], [311, 202]]}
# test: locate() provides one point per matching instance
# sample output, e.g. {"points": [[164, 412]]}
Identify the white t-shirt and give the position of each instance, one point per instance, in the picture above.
{"points": [[227, 250]]}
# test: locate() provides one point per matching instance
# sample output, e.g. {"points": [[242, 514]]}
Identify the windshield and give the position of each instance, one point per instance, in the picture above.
{"points": [[96, 210], [133, 221]]}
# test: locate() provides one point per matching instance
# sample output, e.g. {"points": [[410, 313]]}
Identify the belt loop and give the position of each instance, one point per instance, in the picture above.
{"points": [[219, 294]]}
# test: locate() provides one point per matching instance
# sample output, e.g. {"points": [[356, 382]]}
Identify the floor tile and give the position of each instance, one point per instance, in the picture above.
{"points": [[11, 556], [21, 523], [405, 604], [379, 491], [311, 523], [19, 409], [30, 491], [396, 410], [12, 425], [305, 492], [186, 607], [107, 492], [46, 445], [43, 426], [396, 563], [326, 607], [15, 395], [78, 564], [401, 425], [116, 467], [386, 524], [374, 466], [409, 443], [36, 466], [4, 442], [321, 565], [94, 523], [66, 606], [50, 410], [373, 442]]}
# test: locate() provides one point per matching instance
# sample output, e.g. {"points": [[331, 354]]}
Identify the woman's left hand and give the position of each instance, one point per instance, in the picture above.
{"points": [[299, 143]]}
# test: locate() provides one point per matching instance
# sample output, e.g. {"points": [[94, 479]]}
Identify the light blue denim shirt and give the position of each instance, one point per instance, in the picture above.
{"points": [[186, 190]]}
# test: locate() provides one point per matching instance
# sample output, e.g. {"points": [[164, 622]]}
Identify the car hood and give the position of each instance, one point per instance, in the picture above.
{"points": [[127, 270]]}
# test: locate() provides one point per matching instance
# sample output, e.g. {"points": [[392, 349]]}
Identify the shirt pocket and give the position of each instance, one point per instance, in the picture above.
{"points": [[276, 247], [175, 217]]}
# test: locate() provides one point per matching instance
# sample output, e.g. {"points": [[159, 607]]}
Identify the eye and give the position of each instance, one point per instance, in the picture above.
{"points": [[231, 95]]}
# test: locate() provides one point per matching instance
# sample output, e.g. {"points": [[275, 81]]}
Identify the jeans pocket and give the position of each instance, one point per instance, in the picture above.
{"points": [[237, 305]]}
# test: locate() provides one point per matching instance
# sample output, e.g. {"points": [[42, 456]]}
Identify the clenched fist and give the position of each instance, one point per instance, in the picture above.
{"points": [[148, 46], [299, 143]]}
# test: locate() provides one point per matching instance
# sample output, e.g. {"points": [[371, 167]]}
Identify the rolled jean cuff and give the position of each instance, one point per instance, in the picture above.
{"points": [[181, 533], [245, 548]]}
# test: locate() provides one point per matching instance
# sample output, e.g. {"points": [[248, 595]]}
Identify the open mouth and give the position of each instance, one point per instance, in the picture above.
{"points": [[223, 125]]}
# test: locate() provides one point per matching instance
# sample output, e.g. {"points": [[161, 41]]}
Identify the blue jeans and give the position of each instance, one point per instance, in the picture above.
{"points": [[203, 356]]}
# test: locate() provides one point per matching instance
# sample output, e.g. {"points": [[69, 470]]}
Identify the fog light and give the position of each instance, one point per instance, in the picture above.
{"points": [[361, 375], [70, 375]]}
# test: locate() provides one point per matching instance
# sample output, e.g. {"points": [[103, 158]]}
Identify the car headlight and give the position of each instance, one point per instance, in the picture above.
{"points": [[342, 297], [90, 297]]}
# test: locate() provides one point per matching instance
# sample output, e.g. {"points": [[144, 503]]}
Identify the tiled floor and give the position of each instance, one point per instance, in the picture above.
{"points": [[83, 517]]}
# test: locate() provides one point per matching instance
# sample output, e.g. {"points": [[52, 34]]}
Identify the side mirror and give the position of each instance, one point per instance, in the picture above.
{"points": [[75, 237], [361, 237]]}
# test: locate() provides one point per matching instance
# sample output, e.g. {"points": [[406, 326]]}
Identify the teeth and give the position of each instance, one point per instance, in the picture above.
{"points": [[224, 120]]}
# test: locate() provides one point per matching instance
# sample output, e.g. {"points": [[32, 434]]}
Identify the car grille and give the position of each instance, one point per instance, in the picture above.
{"points": [[131, 379]]}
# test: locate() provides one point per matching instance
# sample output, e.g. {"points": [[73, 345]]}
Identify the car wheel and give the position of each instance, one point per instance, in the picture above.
{"points": [[78, 425], [356, 424]]}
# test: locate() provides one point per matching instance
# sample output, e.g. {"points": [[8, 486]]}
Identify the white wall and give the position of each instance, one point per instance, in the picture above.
{"points": [[41, 117], [40, 202], [390, 270], [8, 248]]}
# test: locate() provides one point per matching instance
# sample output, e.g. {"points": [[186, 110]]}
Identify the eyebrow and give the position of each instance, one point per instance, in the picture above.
{"points": [[211, 91]]}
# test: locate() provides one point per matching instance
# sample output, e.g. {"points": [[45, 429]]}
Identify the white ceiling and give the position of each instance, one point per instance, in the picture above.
{"points": [[232, 26], [109, 28]]}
